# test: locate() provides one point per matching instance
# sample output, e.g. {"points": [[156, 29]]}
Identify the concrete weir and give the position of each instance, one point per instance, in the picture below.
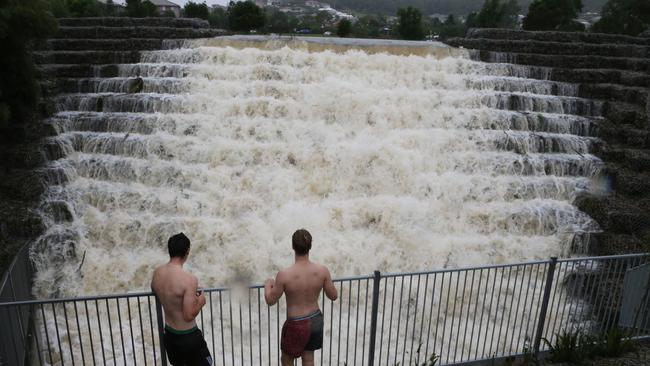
{"points": [[614, 69]]}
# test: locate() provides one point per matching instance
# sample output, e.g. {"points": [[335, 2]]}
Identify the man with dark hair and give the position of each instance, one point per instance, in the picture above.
{"points": [[181, 299], [302, 283]]}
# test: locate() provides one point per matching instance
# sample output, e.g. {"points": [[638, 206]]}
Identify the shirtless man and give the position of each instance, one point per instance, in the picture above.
{"points": [[181, 299], [302, 333]]}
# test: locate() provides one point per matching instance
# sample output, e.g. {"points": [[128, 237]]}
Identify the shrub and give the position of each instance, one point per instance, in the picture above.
{"points": [[615, 343], [567, 348]]}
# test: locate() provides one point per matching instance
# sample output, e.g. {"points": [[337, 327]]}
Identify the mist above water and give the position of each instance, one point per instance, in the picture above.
{"points": [[392, 162]]}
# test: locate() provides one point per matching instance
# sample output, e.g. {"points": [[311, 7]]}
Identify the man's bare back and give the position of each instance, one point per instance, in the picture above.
{"points": [[177, 291], [302, 284]]}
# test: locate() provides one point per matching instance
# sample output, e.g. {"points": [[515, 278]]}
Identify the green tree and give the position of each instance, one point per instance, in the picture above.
{"points": [[344, 28], [244, 16], [218, 18], [85, 8], [410, 23], [452, 27], [278, 22], [23, 23], [630, 17], [553, 15], [369, 26], [167, 14], [196, 10], [140, 8], [495, 14], [58, 8]]}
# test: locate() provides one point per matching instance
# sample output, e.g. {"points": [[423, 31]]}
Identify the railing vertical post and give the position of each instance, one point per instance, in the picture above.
{"points": [[373, 317], [542, 313], [161, 331]]}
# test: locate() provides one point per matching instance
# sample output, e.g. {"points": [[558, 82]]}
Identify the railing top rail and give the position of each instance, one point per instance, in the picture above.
{"points": [[143, 294], [461, 269], [604, 257], [343, 279]]}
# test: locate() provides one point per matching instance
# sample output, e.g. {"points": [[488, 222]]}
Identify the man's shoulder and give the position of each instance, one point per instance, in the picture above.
{"points": [[320, 267]]}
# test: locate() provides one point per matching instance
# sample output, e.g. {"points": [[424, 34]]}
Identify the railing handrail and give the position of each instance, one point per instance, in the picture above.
{"points": [[342, 279]]}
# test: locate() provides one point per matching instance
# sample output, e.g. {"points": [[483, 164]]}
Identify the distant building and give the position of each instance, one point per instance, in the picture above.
{"points": [[165, 5]]}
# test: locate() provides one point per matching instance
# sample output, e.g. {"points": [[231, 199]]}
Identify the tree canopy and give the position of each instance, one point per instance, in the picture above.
{"points": [[410, 23], [140, 8], [630, 17], [245, 16], [196, 10], [495, 14], [553, 15], [344, 28], [280, 22], [23, 23]]}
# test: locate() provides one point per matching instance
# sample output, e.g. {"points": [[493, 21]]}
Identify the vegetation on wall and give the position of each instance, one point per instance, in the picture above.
{"points": [[23, 23]]}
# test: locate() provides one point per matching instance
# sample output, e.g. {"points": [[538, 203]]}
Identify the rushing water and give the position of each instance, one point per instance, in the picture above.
{"points": [[393, 162]]}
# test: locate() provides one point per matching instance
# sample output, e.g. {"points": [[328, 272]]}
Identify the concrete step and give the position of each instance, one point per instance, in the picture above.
{"points": [[613, 92], [553, 48], [86, 57], [50, 71], [101, 32], [620, 113], [134, 22], [626, 135], [134, 44], [637, 160], [567, 61], [91, 85], [584, 37], [599, 76]]}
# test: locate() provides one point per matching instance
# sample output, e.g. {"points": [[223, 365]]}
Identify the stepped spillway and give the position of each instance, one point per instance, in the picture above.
{"points": [[393, 161]]}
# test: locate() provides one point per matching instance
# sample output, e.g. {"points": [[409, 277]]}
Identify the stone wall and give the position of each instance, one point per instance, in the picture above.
{"points": [[610, 68], [82, 48]]}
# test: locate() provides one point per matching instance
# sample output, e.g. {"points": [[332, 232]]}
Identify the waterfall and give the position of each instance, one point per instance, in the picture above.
{"points": [[399, 157]]}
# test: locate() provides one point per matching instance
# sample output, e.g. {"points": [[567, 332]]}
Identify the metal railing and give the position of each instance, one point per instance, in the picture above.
{"points": [[461, 315], [16, 285]]}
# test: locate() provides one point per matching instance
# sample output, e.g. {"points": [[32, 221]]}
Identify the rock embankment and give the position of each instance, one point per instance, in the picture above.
{"points": [[614, 69], [83, 50]]}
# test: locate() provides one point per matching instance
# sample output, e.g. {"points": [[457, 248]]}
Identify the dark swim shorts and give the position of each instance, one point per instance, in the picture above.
{"points": [[186, 347], [301, 334]]}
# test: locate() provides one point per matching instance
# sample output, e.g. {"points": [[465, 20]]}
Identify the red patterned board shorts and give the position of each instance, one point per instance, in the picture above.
{"points": [[302, 334]]}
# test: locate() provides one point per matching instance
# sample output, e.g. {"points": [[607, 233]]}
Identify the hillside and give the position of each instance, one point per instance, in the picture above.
{"points": [[389, 7]]}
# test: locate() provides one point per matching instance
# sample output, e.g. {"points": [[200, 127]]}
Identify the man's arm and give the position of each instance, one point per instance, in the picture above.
{"points": [[330, 289], [192, 303], [273, 289]]}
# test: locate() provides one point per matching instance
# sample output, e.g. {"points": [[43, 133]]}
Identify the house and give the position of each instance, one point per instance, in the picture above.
{"points": [[165, 5]]}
